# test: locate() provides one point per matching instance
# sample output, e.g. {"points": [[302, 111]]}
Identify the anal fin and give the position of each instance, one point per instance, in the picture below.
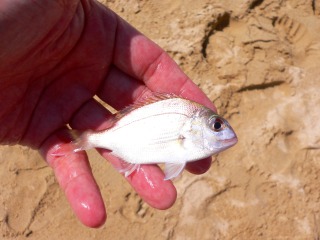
{"points": [[127, 168], [173, 170]]}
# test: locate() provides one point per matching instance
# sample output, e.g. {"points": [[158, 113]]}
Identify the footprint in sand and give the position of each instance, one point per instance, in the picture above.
{"points": [[293, 31], [305, 45]]}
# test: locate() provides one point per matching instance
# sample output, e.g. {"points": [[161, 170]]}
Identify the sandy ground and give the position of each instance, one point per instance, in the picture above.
{"points": [[259, 61]]}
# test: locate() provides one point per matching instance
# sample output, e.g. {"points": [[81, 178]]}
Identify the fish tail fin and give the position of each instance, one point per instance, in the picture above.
{"points": [[81, 140], [80, 143]]}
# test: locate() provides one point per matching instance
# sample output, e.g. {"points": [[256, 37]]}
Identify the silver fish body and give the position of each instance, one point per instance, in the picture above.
{"points": [[172, 130]]}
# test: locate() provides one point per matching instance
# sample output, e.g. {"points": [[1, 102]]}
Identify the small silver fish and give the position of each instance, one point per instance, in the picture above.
{"points": [[164, 129]]}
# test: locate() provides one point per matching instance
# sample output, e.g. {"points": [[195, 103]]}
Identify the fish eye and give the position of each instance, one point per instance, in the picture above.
{"points": [[217, 124]]}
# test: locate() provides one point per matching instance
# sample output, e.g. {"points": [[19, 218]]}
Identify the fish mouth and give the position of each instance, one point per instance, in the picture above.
{"points": [[230, 142]]}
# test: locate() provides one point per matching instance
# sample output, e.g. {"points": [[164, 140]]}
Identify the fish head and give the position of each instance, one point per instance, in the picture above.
{"points": [[218, 135]]}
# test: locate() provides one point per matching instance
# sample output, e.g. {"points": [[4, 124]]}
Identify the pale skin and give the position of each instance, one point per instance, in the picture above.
{"points": [[54, 57]]}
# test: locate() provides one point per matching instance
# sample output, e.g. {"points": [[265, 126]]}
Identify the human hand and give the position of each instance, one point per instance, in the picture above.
{"points": [[55, 57]]}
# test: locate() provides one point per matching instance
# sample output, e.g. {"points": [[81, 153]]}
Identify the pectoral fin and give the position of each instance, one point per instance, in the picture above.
{"points": [[172, 170]]}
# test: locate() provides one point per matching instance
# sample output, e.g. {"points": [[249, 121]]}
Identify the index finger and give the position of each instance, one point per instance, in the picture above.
{"points": [[139, 57]]}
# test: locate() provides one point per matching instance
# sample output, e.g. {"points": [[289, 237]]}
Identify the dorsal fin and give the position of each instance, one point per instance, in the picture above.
{"points": [[154, 97]]}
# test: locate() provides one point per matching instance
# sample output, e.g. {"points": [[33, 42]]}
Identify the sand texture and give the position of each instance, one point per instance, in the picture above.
{"points": [[259, 62]]}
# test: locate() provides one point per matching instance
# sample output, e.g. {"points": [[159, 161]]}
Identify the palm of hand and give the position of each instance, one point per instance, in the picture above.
{"points": [[51, 69]]}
